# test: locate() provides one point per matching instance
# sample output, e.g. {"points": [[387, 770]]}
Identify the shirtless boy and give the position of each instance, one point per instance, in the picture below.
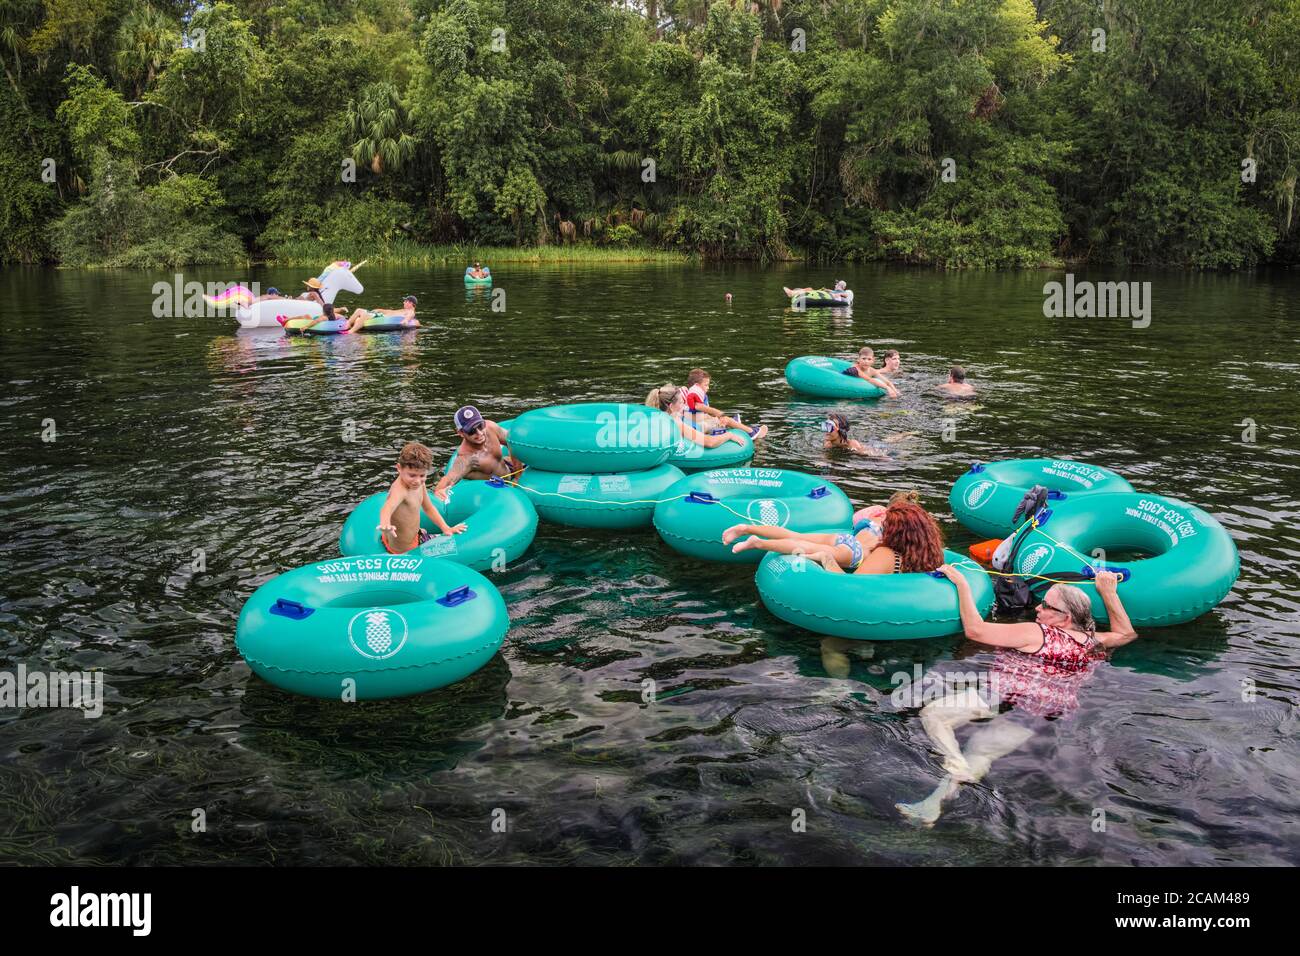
{"points": [[863, 367], [408, 498]]}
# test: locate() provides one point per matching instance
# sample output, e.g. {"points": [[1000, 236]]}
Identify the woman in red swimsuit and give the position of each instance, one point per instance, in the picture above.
{"points": [[1039, 669]]}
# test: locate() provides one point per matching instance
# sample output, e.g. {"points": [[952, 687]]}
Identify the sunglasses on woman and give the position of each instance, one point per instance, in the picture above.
{"points": [[1052, 607]]}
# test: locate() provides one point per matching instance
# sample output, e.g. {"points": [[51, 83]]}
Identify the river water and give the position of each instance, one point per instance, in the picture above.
{"points": [[189, 463]]}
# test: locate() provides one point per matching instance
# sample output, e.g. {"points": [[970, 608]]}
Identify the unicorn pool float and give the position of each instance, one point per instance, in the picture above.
{"points": [[254, 312]]}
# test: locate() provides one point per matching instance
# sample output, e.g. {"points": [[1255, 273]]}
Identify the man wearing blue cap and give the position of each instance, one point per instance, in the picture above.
{"points": [[482, 453]]}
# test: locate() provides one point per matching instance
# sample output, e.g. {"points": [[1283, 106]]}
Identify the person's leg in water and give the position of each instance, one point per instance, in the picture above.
{"points": [[836, 652], [357, 319], [941, 718], [999, 738]]}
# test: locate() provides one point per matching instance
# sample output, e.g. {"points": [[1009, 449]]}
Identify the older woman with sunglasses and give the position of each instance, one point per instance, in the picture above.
{"points": [[1038, 671]]}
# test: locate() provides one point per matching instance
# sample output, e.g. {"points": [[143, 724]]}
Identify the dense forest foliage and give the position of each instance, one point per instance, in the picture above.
{"points": [[952, 132]]}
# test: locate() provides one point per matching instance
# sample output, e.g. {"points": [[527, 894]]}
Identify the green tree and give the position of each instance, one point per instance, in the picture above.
{"points": [[145, 38], [380, 126]]}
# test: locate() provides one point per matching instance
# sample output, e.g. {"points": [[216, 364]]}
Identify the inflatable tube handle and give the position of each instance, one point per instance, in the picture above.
{"points": [[1089, 572], [1053, 495], [700, 498], [457, 596], [293, 610], [495, 482], [821, 491], [1041, 518], [937, 574], [976, 468]]}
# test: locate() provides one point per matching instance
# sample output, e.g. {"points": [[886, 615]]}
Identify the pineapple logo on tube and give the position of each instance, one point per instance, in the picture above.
{"points": [[769, 511], [1038, 557], [979, 493], [377, 633]]}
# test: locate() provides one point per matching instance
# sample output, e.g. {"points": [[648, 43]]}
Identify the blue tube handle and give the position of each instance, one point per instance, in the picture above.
{"points": [[457, 596], [976, 468], [293, 610], [821, 491], [701, 498], [1090, 572]]}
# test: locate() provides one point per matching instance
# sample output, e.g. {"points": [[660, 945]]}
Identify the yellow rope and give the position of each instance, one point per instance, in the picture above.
{"points": [[1033, 520], [1009, 574], [507, 479], [1060, 544]]}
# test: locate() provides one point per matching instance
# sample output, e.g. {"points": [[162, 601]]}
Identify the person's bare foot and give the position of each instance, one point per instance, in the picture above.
{"points": [[750, 542], [926, 812], [732, 533]]}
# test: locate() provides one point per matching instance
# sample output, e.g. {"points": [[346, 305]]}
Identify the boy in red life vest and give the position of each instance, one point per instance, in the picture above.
{"points": [[705, 417]]}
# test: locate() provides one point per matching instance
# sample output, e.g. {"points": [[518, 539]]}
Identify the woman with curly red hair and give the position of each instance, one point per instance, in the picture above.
{"points": [[909, 541]]}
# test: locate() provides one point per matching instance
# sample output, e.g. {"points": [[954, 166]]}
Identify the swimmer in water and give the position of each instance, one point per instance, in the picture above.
{"points": [[957, 386]]}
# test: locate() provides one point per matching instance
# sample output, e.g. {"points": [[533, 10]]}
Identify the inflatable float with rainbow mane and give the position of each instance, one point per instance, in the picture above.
{"points": [[336, 277]]}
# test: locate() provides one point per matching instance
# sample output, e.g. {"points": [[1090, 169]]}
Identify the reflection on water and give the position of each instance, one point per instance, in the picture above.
{"points": [[645, 706]]}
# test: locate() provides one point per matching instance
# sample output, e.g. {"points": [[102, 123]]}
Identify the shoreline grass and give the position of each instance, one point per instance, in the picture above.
{"points": [[404, 252]]}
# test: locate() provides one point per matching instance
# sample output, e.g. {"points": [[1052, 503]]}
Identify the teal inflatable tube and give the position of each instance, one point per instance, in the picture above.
{"points": [[599, 501], [869, 607], [374, 626], [500, 524], [594, 438], [984, 499], [824, 377], [689, 456], [470, 280], [704, 505], [1175, 561]]}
